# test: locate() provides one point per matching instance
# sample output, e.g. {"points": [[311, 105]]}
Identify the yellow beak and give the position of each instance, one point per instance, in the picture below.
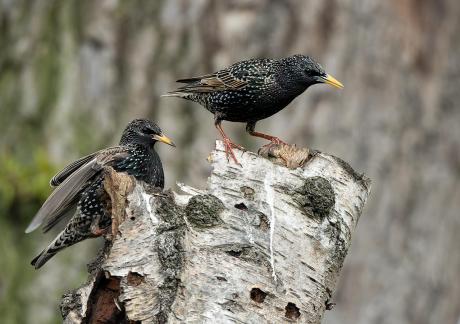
{"points": [[329, 79], [164, 139]]}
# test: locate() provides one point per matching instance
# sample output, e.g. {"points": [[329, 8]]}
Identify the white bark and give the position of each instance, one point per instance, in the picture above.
{"points": [[262, 244]]}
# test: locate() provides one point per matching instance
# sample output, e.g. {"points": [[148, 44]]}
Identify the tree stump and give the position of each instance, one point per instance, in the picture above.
{"points": [[263, 243]]}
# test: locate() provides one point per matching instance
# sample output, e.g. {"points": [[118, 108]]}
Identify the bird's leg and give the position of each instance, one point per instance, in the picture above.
{"points": [[250, 128], [95, 229], [229, 145]]}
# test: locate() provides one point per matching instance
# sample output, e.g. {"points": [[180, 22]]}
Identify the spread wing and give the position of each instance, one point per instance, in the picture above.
{"points": [[71, 168], [65, 196]]}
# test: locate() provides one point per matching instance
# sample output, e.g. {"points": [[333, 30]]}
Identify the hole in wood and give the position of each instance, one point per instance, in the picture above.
{"points": [[134, 279], [102, 306], [292, 311], [258, 295], [329, 305], [132, 218], [241, 206], [233, 253]]}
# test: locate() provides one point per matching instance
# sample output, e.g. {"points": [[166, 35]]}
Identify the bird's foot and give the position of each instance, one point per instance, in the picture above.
{"points": [[229, 146], [275, 141], [239, 147]]}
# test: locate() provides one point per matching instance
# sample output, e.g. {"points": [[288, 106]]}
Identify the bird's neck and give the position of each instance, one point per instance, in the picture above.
{"points": [[289, 83], [156, 177]]}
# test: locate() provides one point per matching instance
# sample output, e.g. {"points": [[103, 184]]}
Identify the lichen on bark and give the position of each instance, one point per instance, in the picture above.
{"points": [[316, 196], [203, 211]]}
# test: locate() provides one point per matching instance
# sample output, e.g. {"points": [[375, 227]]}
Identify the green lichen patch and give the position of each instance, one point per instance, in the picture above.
{"points": [[203, 211], [316, 196]]}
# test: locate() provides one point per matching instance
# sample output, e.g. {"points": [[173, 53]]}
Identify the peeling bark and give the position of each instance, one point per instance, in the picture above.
{"points": [[261, 244]]}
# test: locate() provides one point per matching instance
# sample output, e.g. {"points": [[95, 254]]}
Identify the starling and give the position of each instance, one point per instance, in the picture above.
{"points": [[251, 90], [80, 189]]}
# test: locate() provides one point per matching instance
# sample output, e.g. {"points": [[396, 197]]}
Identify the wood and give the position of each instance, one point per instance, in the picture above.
{"points": [[262, 244], [118, 186]]}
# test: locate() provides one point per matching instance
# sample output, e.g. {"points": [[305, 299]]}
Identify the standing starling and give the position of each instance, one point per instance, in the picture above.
{"points": [[80, 188], [251, 90]]}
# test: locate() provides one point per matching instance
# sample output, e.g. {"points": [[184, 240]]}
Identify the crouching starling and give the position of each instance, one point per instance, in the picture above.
{"points": [[251, 90], [80, 188]]}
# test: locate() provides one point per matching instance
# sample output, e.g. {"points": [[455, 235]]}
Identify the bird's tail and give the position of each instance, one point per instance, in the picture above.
{"points": [[65, 239]]}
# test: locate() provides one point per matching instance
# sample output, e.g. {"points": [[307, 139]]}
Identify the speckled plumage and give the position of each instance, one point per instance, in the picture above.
{"points": [[251, 90], [80, 186]]}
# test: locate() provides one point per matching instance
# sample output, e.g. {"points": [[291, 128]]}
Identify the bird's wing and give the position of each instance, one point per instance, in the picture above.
{"points": [[219, 81], [69, 169], [232, 78], [66, 194], [68, 212]]}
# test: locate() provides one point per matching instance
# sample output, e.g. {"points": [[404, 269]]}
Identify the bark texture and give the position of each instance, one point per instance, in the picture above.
{"points": [[261, 244]]}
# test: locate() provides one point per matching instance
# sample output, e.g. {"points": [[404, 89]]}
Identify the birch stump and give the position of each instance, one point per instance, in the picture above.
{"points": [[263, 243]]}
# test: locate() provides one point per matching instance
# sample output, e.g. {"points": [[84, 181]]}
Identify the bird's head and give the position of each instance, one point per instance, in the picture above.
{"points": [[306, 72], [144, 132]]}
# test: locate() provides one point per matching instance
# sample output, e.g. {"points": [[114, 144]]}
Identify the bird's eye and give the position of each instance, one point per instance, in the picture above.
{"points": [[147, 131]]}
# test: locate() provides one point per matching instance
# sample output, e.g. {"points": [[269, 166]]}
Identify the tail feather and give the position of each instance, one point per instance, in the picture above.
{"points": [[65, 239], [42, 258]]}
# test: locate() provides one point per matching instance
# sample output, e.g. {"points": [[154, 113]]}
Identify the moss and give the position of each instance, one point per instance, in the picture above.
{"points": [[203, 211], [316, 196]]}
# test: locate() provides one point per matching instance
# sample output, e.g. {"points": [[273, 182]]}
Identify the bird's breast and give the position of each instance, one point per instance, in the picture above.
{"points": [[249, 105]]}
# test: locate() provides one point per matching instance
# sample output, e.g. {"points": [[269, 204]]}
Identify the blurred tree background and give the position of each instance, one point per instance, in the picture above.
{"points": [[73, 73]]}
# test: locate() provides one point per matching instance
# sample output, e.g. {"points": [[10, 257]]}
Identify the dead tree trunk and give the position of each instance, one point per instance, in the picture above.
{"points": [[263, 243]]}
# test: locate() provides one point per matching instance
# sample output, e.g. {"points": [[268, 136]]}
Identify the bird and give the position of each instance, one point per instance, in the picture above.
{"points": [[79, 187], [252, 90]]}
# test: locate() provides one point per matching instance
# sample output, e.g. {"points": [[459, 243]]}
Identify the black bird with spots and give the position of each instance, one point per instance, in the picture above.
{"points": [[80, 189], [251, 90]]}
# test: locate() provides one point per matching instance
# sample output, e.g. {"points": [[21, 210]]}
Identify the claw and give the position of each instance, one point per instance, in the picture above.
{"points": [[229, 145], [275, 141], [229, 151]]}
